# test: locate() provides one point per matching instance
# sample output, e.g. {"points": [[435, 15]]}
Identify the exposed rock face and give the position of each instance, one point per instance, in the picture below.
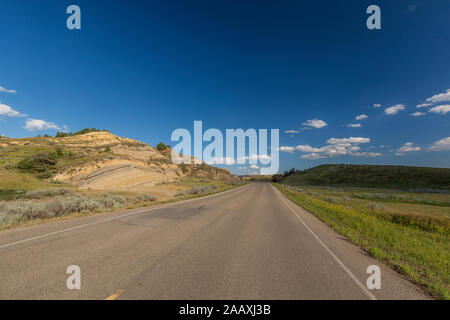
{"points": [[128, 164]]}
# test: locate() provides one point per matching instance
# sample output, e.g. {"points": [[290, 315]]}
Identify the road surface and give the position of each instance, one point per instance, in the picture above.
{"points": [[246, 243]]}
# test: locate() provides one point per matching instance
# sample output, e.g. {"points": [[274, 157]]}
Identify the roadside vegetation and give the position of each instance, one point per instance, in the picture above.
{"points": [[42, 204], [409, 231], [23, 207]]}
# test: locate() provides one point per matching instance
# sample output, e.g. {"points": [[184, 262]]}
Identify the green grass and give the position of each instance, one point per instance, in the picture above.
{"points": [[396, 177], [37, 159], [415, 245], [13, 179]]}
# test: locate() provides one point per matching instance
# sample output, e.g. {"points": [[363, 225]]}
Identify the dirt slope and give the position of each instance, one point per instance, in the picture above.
{"points": [[104, 161]]}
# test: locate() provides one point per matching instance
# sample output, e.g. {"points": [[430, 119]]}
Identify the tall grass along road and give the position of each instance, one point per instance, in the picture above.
{"points": [[407, 231]]}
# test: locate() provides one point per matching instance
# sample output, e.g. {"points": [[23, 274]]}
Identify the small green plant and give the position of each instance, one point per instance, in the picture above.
{"points": [[161, 146], [59, 153], [41, 164]]}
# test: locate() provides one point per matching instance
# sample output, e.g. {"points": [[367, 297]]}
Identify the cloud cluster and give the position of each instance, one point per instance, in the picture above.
{"points": [[30, 124], [443, 109], [357, 140], [334, 147], [287, 149], [7, 111], [441, 145], [441, 97], [315, 123], [39, 125], [424, 105], [362, 117], [354, 125], [394, 109], [417, 114], [221, 160], [3, 89], [407, 147]]}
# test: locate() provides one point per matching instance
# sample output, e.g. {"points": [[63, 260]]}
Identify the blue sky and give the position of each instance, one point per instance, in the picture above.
{"points": [[142, 69]]}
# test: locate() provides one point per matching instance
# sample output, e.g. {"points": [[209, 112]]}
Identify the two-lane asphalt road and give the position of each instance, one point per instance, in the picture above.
{"points": [[246, 243]]}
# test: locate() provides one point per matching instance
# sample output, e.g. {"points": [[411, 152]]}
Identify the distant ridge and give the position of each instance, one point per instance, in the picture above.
{"points": [[385, 176]]}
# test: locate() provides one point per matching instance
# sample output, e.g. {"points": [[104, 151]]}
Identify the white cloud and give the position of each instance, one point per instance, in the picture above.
{"points": [[39, 125], [367, 154], [423, 105], [307, 148], [362, 117], [336, 147], [254, 166], [440, 97], [441, 109], [377, 105], [312, 156], [3, 89], [315, 123], [394, 109], [348, 140], [407, 147], [354, 125], [441, 145], [417, 114], [291, 131], [220, 160], [286, 149], [9, 112]]}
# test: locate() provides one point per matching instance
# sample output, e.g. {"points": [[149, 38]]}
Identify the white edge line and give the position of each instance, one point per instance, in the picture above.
{"points": [[113, 218], [354, 278]]}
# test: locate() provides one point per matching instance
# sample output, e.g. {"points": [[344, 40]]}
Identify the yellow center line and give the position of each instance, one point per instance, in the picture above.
{"points": [[232, 206], [115, 295]]}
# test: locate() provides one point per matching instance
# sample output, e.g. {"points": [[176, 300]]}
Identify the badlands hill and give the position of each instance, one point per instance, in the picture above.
{"points": [[94, 160]]}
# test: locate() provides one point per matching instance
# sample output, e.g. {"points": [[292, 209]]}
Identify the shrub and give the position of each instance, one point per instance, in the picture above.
{"points": [[43, 193], [161, 146], [11, 194], [16, 211], [44, 175], [40, 163], [59, 153], [199, 189], [146, 198]]}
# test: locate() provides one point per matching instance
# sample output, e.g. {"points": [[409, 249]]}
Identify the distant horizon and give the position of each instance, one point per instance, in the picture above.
{"points": [[337, 91], [251, 174]]}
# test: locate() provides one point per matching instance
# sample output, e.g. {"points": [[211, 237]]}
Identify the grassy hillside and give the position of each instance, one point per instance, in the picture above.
{"points": [[93, 159], [397, 177]]}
